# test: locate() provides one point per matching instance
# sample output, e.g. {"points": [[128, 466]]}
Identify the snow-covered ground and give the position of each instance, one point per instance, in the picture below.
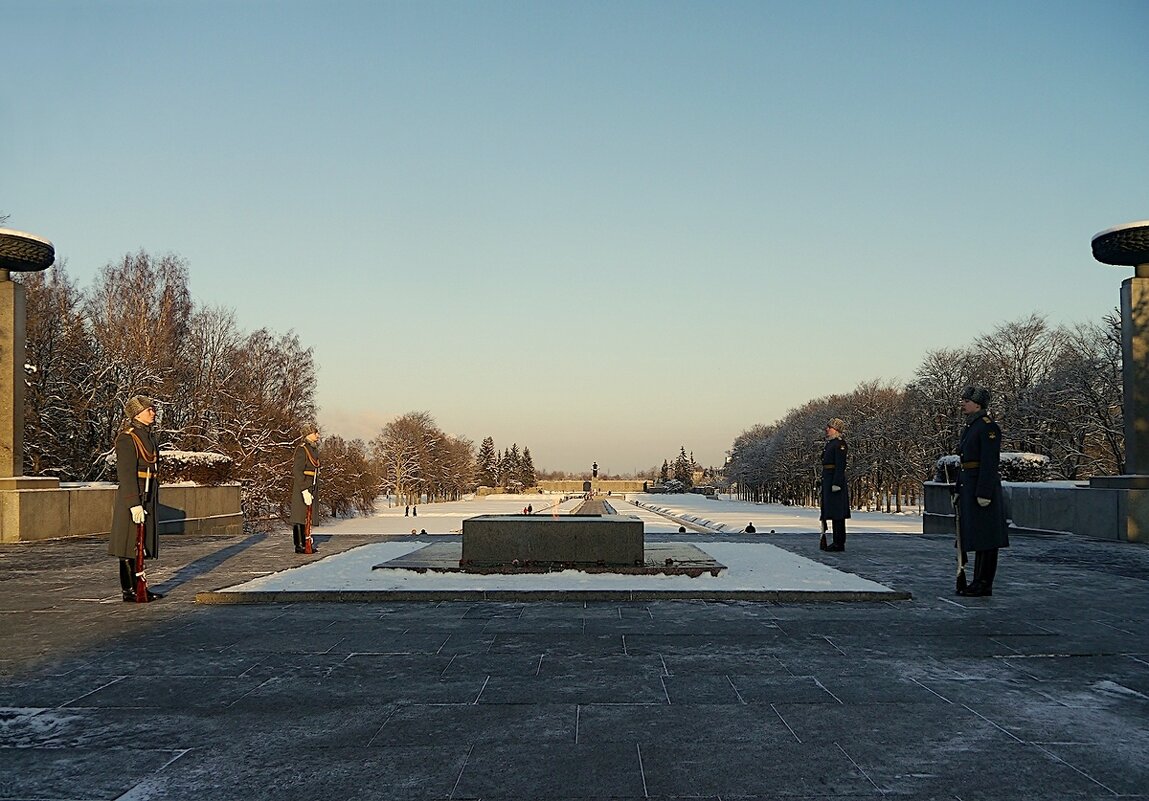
{"points": [[721, 516], [753, 564], [729, 517]]}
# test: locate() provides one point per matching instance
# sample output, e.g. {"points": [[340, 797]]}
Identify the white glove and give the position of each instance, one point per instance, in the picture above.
{"points": [[307, 497], [983, 501], [836, 488], [138, 514]]}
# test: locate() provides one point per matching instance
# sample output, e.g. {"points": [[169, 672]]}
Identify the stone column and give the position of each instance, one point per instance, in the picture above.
{"points": [[11, 377], [1135, 356]]}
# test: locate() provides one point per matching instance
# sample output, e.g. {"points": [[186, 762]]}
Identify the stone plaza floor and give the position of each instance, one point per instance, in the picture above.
{"points": [[1038, 692]]}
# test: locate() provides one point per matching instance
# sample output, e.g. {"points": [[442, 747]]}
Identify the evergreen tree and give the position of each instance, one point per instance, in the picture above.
{"points": [[501, 465], [664, 473], [511, 469], [682, 468], [488, 464], [527, 470]]}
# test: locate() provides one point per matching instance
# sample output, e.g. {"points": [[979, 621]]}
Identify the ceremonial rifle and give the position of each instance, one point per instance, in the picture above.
{"points": [[141, 576], [956, 502], [141, 579], [307, 546], [307, 529]]}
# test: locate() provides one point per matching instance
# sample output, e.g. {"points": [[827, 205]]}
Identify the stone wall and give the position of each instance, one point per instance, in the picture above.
{"points": [[86, 509], [577, 486]]}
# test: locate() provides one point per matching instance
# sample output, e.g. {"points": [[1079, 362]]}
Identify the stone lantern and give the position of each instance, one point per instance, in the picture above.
{"points": [[19, 252]]}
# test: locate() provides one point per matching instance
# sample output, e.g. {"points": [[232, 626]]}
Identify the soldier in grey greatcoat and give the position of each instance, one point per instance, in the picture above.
{"points": [[835, 492], [137, 497], [304, 486], [981, 503]]}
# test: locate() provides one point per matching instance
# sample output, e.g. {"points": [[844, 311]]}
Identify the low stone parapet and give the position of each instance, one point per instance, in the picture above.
{"points": [[1054, 507], [74, 510]]}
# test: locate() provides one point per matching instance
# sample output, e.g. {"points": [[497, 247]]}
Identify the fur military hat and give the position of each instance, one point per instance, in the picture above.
{"points": [[137, 404], [978, 395], [838, 424], [310, 427]]}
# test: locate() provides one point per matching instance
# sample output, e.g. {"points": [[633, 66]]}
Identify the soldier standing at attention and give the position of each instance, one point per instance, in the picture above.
{"points": [[137, 497], [835, 493], [304, 486], [981, 504]]}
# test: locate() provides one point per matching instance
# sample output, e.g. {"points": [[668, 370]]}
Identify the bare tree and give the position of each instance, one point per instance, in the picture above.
{"points": [[350, 483], [138, 315], [1056, 390], [260, 414], [59, 439], [397, 450]]}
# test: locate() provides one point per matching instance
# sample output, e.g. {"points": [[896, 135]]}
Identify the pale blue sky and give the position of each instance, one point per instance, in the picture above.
{"points": [[597, 229]]}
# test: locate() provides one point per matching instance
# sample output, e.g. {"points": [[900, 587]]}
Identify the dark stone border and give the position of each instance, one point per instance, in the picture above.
{"points": [[221, 597], [659, 559]]}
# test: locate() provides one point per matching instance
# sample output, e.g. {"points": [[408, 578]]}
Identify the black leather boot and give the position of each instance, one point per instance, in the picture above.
{"points": [[127, 579], [984, 566], [839, 529], [988, 561]]}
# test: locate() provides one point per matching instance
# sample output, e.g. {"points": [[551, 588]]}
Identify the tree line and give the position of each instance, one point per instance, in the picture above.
{"points": [[221, 390], [1056, 390], [511, 470], [135, 331]]}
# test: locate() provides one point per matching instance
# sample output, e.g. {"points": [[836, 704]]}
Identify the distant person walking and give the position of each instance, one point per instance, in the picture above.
{"points": [[137, 497], [981, 504], [835, 492], [304, 486]]}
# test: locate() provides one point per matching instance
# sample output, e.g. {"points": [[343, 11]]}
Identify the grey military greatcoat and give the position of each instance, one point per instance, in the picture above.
{"points": [[137, 458], [304, 476], [835, 505], [982, 527]]}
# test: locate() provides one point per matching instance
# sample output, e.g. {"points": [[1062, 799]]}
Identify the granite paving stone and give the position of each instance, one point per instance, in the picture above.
{"points": [[983, 768], [715, 688], [425, 724], [680, 724], [77, 773], [760, 766], [727, 661], [497, 769], [597, 687], [1113, 765], [1039, 692], [778, 689], [279, 772]]}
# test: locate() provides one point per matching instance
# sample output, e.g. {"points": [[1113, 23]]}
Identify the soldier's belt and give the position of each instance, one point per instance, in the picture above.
{"points": [[829, 466], [308, 472], [143, 474], [970, 465]]}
